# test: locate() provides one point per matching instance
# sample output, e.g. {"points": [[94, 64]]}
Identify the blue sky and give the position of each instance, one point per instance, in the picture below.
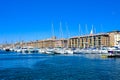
{"points": [[32, 19]]}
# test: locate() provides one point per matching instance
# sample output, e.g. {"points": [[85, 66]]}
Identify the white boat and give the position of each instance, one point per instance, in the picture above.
{"points": [[32, 49], [77, 51], [19, 50], [6, 49], [11, 49], [69, 51], [42, 50], [60, 51], [25, 50], [103, 51], [50, 51]]}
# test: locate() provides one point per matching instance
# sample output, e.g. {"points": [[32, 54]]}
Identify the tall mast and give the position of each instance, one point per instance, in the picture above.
{"points": [[61, 30], [68, 35], [92, 33], [79, 36], [52, 35], [86, 43], [53, 30], [79, 30], [61, 33], [86, 29]]}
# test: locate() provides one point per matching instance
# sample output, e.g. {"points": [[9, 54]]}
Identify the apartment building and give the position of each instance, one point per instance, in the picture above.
{"points": [[95, 40], [114, 37]]}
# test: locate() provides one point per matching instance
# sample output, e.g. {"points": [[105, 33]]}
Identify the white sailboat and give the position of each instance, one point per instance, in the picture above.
{"points": [[78, 50], [68, 50], [61, 50]]}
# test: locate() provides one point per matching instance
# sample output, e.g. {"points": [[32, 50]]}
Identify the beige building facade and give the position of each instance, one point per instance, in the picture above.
{"points": [[50, 43], [86, 41], [114, 37]]}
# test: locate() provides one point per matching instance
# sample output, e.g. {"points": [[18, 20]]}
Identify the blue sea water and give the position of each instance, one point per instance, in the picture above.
{"points": [[14, 66]]}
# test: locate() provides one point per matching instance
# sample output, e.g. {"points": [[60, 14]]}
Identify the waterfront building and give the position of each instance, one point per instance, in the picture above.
{"points": [[114, 37], [52, 43], [47, 43], [40, 43], [61, 43], [32, 44], [95, 40]]}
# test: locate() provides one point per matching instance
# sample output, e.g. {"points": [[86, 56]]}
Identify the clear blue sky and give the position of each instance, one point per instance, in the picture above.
{"points": [[32, 19]]}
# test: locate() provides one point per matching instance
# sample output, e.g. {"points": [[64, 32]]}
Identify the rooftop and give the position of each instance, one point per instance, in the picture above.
{"points": [[115, 31], [99, 34]]}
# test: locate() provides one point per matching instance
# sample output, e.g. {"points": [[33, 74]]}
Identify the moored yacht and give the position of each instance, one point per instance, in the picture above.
{"points": [[50, 51], [42, 50], [24, 50], [60, 51], [69, 51]]}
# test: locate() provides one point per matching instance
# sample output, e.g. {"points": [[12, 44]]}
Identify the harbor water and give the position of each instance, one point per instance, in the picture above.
{"points": [[14, 66]]}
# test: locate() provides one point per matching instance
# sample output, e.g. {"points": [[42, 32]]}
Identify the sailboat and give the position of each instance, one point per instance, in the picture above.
{"points": [[68, 50], [62, 49], [78, 50], [51, 49]]}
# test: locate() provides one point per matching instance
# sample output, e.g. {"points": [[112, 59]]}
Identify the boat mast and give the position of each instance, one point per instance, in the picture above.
{"points": [[86, 29], [68, 35], [86, 43], [61, 34], [92, 34], [79, 36], [52, 34], [52, 30]]}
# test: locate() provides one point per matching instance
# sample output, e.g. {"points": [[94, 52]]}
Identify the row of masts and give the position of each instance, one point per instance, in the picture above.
{"points": [[68, 33], [80, 32]]}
